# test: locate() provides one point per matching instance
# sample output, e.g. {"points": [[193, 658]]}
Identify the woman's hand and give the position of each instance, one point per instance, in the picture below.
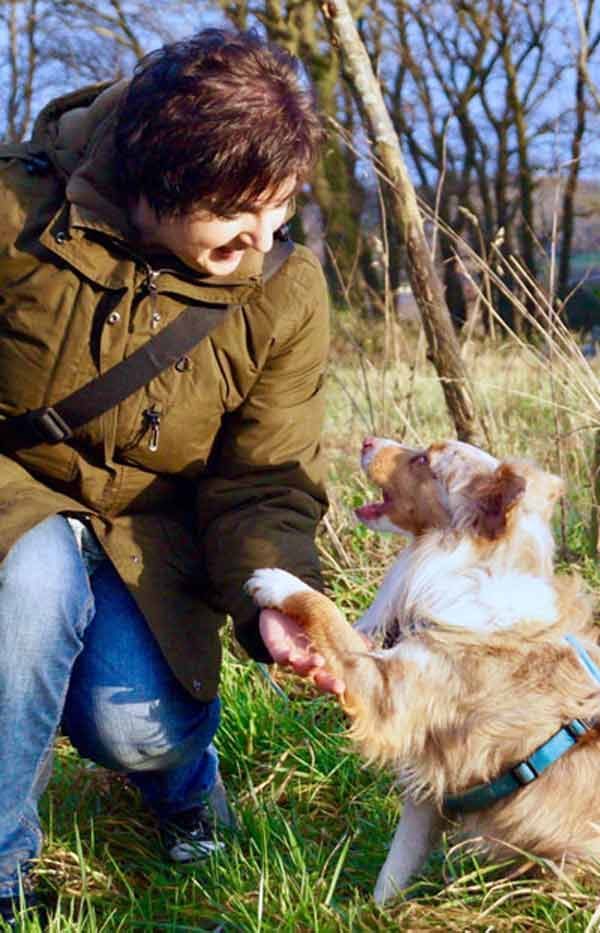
{"points": [[289, 646]]}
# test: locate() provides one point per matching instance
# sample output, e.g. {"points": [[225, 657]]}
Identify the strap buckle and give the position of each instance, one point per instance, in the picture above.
{"points": [[37, 163], [578, 727], [48, 425], [524, 773]]}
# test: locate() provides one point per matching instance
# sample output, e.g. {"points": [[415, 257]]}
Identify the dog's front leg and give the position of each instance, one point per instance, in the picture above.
{"points": [[419, 829]]}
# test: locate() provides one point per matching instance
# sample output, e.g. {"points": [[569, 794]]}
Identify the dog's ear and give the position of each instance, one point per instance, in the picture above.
{"points": [[491, 497]]}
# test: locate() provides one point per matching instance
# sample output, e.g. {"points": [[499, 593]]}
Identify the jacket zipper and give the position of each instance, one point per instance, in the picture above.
{"points": [[153, 414], [151, 285]]}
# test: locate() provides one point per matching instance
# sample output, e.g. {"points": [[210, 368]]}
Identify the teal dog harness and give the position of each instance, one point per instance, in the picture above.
{"points": [[526, 771]]}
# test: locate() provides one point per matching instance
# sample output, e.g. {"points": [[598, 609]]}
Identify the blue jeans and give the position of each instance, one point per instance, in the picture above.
{"points": [[75, 649]]}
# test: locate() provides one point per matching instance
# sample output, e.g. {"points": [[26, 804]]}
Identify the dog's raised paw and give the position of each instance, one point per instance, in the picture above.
{"points": [[270, 587]]}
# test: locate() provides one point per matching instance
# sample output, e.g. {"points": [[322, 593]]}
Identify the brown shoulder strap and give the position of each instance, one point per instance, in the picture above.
{"points": [[32, 155]]}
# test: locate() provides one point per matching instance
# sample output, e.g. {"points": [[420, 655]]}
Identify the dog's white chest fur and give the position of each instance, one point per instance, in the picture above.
{"points": [[449, 590]]}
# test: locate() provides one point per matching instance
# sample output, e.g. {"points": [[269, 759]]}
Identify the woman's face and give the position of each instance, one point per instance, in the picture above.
{"points": [[212, 243]]}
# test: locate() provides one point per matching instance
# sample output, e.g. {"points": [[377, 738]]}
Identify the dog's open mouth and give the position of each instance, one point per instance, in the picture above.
{"points": [[373, 510]]}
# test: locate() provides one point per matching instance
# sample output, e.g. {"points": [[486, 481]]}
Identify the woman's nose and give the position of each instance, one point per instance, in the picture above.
{"points": [[260, 234], [264, 236]]}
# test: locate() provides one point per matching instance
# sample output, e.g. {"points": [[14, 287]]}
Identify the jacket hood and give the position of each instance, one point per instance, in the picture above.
{"points": [[77, 131]]}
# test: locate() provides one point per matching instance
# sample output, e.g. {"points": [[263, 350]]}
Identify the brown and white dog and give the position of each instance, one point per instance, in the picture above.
{"points": [[476, 673]]}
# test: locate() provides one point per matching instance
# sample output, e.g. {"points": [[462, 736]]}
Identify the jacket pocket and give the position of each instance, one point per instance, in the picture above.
{"points": [[50, 462]]}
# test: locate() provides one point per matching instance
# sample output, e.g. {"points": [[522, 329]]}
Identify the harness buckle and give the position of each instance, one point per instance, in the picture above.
{"points": [[577, 728], [524, 773]]}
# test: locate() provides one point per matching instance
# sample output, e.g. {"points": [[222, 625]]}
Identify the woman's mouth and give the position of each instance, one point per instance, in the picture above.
{"points": [[226, 252]]}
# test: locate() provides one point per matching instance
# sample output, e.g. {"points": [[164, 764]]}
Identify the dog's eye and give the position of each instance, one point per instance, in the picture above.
{"points": [[420, 460]]}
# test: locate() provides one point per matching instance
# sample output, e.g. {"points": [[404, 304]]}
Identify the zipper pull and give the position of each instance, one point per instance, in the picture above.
{"points": [[153, 421]]}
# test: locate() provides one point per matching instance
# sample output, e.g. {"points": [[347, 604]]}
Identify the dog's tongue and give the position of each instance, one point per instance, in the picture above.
{"points": [[369, 512], [373, 510]]}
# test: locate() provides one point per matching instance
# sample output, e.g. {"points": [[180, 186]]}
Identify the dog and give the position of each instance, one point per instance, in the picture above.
{"points": [[484, 692]]}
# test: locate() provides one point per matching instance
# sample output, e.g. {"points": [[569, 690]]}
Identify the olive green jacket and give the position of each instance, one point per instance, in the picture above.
{"points": [[236, 480]]}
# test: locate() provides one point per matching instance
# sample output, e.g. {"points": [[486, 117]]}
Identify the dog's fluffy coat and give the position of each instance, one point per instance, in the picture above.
{"points": [[477, 674]]}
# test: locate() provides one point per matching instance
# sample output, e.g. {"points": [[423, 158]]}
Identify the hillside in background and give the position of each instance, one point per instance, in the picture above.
{"points": [[585, 261]]}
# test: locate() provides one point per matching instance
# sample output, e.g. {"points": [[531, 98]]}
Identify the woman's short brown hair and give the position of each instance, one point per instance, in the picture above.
{"points": [[219, 119]]}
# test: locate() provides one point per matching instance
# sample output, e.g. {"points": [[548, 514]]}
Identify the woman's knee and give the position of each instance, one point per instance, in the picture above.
{"points": [[124, 735]]}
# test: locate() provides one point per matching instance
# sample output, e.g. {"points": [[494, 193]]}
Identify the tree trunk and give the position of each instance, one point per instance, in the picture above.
{"points": [[587, 46], [443, 345]]}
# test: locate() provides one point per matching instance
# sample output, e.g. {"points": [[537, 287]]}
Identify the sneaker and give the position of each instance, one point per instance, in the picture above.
{"points": [[190, 835]]}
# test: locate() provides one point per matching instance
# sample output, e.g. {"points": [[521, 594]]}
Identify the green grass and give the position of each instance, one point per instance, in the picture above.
{"points": [[314, 821], [313, 824]]}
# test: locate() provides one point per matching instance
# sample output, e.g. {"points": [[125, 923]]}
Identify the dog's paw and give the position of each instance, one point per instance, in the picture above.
{"points": [[270, 587]]}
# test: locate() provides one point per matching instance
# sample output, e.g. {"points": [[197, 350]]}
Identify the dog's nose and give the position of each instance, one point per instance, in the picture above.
{"points": [[368, 444]]}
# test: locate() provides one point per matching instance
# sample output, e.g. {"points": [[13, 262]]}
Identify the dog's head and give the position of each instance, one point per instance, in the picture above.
{"points": [[452, 485]]}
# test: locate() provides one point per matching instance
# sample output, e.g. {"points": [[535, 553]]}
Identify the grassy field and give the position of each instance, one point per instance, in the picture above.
{"points": [[313, 821]]}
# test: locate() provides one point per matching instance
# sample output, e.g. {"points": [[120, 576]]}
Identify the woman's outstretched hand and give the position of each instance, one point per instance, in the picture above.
{"points": [[289, 646]]}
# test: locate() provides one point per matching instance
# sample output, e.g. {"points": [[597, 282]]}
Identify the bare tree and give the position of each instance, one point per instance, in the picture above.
{"points": [[443, 345], [443, 62], [467, 85], [20, 21], [587, 46]]}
